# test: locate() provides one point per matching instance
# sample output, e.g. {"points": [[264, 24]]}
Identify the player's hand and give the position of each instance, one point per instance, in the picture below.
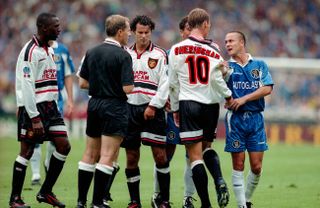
{"points": [[167, 106], [149, 113], [223, 67], [228, 103], [176, 119], [69, 109], [37, 127], [235, 105]]}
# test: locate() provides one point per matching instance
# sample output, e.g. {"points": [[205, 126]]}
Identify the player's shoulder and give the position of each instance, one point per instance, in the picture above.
{"points": [[157, 49]]}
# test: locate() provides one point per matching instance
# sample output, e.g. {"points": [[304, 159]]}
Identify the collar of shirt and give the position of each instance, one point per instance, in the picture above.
{"points": [[112, 41], [148, 48], [249, 59]]}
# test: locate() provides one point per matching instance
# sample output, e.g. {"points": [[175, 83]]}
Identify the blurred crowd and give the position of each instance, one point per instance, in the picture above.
{"points": [[274, 28]]}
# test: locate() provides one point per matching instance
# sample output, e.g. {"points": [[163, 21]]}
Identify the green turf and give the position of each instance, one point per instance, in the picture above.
{"points": [[291, 177]]}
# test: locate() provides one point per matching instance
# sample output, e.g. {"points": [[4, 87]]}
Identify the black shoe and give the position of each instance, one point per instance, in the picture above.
{"points": [[249, 204], [222, 195], [36, 182], [50, 198], [134, 204], [100, 206], [156, 201], [106, 199], [188, 202], [165, 204], [17, 202], [81, 205]]}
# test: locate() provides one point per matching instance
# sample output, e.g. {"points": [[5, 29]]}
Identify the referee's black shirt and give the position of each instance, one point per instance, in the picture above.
{"points": [[107, 67]]}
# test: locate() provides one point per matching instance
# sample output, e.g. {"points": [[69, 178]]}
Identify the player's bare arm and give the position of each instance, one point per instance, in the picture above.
{"points": [[261, 92]]}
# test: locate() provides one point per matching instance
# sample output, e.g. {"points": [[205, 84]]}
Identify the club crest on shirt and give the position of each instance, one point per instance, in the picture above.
{"points": [[152, 63], [236, 143], [56, 58], [26, 72], [255, 73], [30, 133], [171, 135]]}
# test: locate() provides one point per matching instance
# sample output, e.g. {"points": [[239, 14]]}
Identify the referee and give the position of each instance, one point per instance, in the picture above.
{"points": [[107, 74]]}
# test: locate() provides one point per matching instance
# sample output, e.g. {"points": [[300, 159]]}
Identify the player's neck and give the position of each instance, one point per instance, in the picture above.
{"points": [[197, 34], [140, 48], [242, 58]]}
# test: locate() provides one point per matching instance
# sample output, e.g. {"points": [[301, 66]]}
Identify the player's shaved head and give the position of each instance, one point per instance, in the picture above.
{"points": [[197, 17], [240, 35], [114, 23], [44, 19]]}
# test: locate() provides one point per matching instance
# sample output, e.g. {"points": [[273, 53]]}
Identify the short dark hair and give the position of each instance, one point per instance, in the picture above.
{"points": [[183, 22], [44, 19], [114, 23], [197, 16], [241, 34], [143, 20]]}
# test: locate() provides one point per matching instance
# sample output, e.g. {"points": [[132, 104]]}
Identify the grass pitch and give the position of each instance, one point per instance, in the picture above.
{"points": [[291, 177]]}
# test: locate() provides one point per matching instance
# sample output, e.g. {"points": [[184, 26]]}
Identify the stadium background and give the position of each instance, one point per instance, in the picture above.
{"points": [[278, 29]]}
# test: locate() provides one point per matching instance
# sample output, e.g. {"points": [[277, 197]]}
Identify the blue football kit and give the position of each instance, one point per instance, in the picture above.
{"points": [[245, 127], [65, 68]]}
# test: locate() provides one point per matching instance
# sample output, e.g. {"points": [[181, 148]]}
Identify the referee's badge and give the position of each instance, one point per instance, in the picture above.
{"points": [[236, 143], [152, 63]]}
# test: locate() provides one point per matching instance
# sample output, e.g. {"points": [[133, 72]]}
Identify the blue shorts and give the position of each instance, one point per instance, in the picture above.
{"points": [[172, 130], [245, 131]]}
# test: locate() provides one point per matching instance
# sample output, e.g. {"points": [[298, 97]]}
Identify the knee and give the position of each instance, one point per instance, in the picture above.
{"points": [[132, 158], [256, 168], [27, 153], [64, 149], [91, 156], [238, 165], [160, 159]]}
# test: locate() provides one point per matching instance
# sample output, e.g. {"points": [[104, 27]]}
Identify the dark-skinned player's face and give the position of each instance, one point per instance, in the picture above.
{"points": [[52, 29]]}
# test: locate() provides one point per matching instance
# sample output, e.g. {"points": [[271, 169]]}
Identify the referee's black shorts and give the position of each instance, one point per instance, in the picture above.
{"points": [[107, 117]]}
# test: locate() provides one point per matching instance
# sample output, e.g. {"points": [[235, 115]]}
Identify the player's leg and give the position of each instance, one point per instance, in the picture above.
{"points": [[191, 135], [189, 188], [170, 149], [199, 174], [116, 169], [254, 174], [236, 144], [212, 162], [256, 145], [35, 162], [86, 168], [109, 153], [49, 151], [163, 173], [19, 173], [132, 172], [57, 133], [238, 183]]}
